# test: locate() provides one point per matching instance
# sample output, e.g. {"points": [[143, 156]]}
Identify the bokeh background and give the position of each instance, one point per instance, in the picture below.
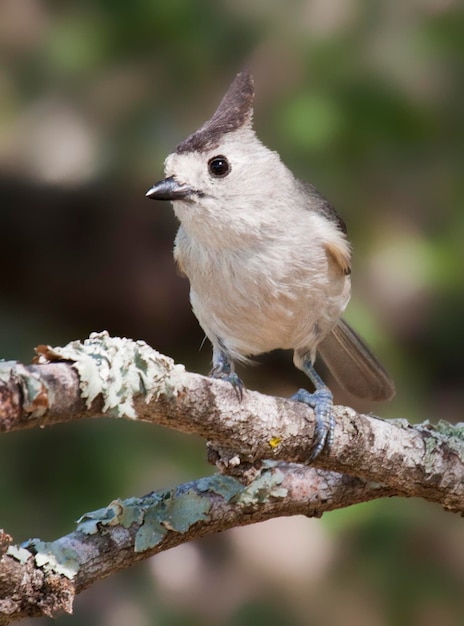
{"points": [[365, 100]]}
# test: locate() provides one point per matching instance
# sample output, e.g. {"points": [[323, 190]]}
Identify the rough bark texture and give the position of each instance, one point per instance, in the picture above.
{"points": [[369, 458]]}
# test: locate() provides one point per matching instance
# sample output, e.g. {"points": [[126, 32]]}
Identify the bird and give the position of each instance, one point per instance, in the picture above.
{"points": [[268, 260]]}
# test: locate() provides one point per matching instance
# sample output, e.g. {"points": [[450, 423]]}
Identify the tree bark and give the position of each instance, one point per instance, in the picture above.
{"points": [[261, 443]]}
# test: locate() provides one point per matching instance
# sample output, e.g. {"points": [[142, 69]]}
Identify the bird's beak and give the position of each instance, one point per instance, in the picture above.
{"points": [[169, 189]]}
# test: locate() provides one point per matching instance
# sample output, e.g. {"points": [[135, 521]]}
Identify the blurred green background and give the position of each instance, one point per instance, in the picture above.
{"points": [[364, 99]]}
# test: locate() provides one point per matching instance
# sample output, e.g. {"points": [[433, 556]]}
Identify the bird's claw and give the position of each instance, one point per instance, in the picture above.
{"points": [[321, 401], [223, 370], [233, 379]]}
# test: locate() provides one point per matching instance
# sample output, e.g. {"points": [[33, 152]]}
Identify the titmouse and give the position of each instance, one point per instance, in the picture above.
{"points": [[267, 257]]}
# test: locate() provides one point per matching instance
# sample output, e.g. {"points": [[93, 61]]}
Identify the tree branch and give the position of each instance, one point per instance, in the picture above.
{"points": [[42, 578], [369, 458]]}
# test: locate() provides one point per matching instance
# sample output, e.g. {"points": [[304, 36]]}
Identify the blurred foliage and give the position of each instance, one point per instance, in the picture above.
{"points": [[363, 99]]}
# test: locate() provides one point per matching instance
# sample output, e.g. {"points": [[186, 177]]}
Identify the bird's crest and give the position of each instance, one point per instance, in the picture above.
{"points": [[234, 111]]}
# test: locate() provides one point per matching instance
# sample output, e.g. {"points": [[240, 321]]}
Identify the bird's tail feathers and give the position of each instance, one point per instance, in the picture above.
{"points": [[354, 366]]}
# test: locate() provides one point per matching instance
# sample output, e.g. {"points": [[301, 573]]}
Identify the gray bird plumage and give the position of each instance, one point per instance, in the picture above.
{"points": [[267, 257], [232, 113]]}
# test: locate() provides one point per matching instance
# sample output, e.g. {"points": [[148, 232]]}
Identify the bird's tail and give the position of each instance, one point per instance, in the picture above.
{"points": [[354, 366]]}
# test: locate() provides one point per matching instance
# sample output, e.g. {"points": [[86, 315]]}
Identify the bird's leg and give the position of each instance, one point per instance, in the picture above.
{"points": [[321, 400], [223, 369]]}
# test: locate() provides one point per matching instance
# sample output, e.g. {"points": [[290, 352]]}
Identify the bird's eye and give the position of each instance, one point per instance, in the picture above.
{"points": [[219, 166]]}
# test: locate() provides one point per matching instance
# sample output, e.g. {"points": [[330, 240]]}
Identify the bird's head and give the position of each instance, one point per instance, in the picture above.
{"points": [[222, 175]]}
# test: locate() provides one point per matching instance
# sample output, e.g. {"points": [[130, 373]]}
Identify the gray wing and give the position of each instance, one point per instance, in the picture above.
{"points": [[317, 202]]}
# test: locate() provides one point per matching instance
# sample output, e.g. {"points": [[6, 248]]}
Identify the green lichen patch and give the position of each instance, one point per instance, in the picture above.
{"points": [[442, 434], [176, 513], [182, 511], [19, 553], [90, 522], [54, 557], [155, 514], [151, 533], [119, 369], [264, 488], [224, 486], [34, 390], [119, 512]]}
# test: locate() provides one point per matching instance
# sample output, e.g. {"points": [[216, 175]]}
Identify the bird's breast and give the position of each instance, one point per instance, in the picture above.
{"points": [[263, 297]]}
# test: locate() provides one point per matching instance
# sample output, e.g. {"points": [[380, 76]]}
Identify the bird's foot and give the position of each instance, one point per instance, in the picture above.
{"points": [[233, 379], [222, 370], [321, 401]]}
